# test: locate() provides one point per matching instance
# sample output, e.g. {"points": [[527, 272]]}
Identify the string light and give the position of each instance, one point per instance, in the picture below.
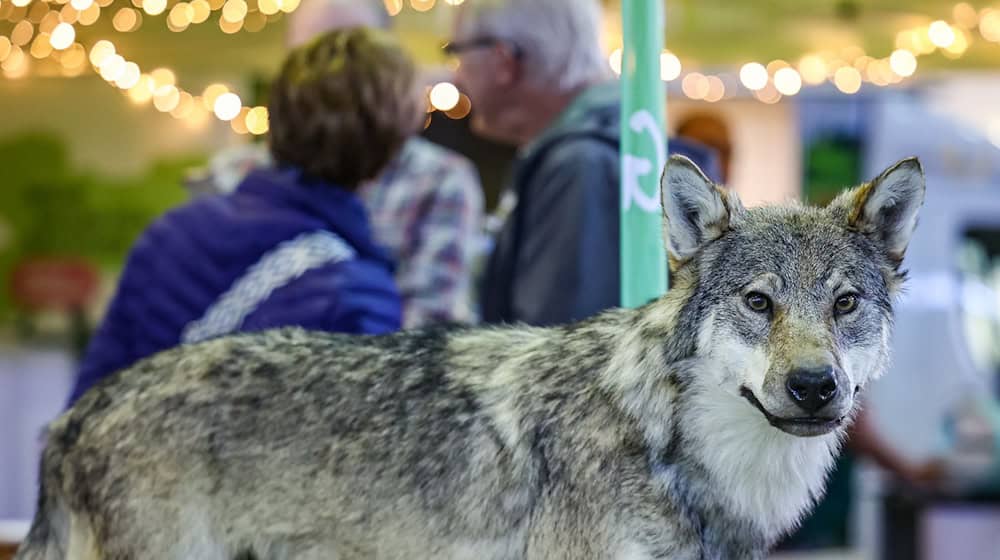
{"points": [[716, 89], [812, 69], [753, 75], [257, 120], [288, 6], [787, 81], [695, 85], [958, 47], [200, 11], [142, 92], [90, 15], [847, 79], [211, 94], [181, 15], [13, 59], [5, 47], [227, 106], [16, 65], [163, 77], [775, 65], [768, 94], [49, 22], [166, 98], [239, 122], [462, 109], [444, 96], [41, 47], [112, 67], [185, 104], [130, 76], [847, 69], [229, 27], [100, 51], [154, 7], [422, 5], [941, 34], [22, 33], [69, 14], [268, 7], [394, 7], [965, 15], [126, 20], [989, 25], [670, 66], [615, 60], [902, 62], [234, 10], [62, 36]]}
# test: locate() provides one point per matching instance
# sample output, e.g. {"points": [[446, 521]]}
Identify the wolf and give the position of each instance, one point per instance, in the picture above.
{"points": [[698, 426]]}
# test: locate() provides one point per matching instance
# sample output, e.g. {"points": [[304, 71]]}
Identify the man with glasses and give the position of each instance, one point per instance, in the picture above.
{"points": [[538, 78]]}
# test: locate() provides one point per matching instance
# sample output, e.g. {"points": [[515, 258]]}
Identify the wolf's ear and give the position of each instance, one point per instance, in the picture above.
{"points": [[695, 211], [887, 207]]}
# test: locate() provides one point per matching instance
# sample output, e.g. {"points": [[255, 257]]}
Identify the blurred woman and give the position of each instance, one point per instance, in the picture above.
{"points": [[292, 245]]}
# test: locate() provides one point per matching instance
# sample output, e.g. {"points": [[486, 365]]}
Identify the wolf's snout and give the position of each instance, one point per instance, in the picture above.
{"points": [[812, 389]]}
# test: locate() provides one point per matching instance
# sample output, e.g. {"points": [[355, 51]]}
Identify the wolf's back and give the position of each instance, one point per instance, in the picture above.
{"points": [[197, 448]]}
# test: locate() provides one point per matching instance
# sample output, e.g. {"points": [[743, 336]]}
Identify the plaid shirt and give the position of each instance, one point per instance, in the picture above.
{"points": [[426, 209]]}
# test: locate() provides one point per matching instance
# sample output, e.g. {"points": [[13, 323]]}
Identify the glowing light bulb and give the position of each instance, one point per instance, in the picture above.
{"points": [[847, 79], [444, 96], [941, 34], [112, 67], [787, 81], [130, 76], [62, 36], [753, 75], [902, 62], [670, 66], [227, 106], [257, 120], [154, 7], [100, 51], [813, 69]]}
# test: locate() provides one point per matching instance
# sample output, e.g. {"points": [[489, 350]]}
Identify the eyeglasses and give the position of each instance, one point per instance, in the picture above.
{"points": [[456, 48]]}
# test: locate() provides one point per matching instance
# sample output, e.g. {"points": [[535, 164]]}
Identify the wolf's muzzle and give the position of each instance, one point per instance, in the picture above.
{"points": [[805, 426]]}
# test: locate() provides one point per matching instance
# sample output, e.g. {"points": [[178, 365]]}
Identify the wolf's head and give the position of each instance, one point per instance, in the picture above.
{"points": [[791, 306]]}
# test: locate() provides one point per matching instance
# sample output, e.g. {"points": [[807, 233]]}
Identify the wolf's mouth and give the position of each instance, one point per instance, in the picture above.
{"points": [[804, 426]]}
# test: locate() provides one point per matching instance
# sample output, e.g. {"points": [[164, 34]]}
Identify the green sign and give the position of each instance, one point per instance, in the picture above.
{"points": [[644, 153]]}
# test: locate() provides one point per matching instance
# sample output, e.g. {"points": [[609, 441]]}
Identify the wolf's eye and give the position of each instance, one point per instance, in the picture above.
{"points": [[758, 302], [845, 304]]}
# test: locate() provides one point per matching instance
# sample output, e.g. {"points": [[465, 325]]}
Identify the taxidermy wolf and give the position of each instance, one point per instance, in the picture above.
{"points": [[701, 425]]}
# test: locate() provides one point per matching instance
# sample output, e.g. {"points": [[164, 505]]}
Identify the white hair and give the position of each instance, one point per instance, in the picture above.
{"points": [[560, 40], [315, 17]]}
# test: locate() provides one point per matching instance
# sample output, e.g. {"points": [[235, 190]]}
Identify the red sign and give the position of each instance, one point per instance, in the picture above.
{"points": [[53, 283]]}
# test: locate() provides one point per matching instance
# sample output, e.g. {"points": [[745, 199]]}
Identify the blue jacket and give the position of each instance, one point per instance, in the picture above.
{"points": [[556, 259], [182, 279]]}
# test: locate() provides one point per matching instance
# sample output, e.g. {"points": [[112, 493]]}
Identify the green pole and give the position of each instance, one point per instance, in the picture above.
{"points": [[643, 153]]}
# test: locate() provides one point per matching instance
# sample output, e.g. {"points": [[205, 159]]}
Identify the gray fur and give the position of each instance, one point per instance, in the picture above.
{"points": [[626, 436]]}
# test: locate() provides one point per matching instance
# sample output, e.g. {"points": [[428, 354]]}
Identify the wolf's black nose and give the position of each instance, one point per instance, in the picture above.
{"points": [[812, 389]]}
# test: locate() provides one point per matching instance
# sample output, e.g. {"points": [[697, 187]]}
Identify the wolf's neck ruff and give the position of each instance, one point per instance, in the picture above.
{"points": [[712, 451]]}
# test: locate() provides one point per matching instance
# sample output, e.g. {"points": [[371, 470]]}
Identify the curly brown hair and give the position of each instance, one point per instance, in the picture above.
{"points": [[343, 105]]}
